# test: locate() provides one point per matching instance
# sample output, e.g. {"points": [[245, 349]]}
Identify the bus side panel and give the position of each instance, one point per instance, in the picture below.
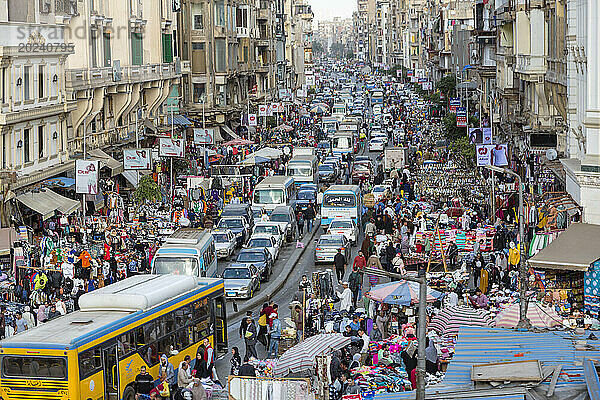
{"points": [[91, 387]]}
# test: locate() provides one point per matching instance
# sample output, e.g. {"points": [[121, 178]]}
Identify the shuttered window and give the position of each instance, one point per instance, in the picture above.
{"points": [[167, 48], [137, 51]]}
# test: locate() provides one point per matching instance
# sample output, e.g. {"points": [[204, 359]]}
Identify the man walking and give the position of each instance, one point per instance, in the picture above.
{"points": [[355, 282], [309, 216], [340, 265], [244, 324], [144, 383], [250, 338], [275, 336]]}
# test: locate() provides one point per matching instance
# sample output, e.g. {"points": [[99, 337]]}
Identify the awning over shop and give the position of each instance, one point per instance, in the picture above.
{"points": [[229, 132], [575, 249], [179, 120], [46, 202], [7, 237], [115, 166], [149, 125], [268, 152]]}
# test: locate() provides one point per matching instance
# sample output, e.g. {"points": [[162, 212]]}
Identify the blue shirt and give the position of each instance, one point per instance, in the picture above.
{"points": [[354, 325]]}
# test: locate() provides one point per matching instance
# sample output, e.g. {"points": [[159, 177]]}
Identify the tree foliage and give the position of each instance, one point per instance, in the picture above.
{"points": [[317, 48], [147, 190], [447, 86]]}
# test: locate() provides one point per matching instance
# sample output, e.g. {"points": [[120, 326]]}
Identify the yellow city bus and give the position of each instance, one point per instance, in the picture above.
{"points": [[96, 352]]}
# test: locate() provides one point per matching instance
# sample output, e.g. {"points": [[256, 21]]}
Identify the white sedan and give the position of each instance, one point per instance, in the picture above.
{"points": [[344, 226], [265, 240], [376, 145]]}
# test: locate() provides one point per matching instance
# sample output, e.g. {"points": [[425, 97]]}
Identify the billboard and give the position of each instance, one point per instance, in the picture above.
{"points": [[137, 159], [480, 135], [454, 104], [461, 117], [277, 108], [264, 110], [204, 136], [492, 154], [168, 147], [252, 120], [86, 176]]}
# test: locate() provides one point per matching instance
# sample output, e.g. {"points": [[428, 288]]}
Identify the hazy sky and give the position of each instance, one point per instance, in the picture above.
{"points": [[327, 9]]}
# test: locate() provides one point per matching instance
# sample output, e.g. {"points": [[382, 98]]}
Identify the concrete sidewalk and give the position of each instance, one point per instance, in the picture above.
{"points": [[269, 290]]}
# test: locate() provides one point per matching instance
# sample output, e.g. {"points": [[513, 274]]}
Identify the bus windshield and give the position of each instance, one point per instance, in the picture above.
{"points": [[339, 200], [176, 266], [268, 196], [341, 142], [296, 170]]}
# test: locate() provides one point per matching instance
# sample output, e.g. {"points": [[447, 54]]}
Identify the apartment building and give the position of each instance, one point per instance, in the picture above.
{"points": [[35, 105]]}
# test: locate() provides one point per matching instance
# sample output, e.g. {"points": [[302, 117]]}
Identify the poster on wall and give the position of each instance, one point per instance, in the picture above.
{"points": [[86, 176], [171, 147], [137, 159], [204, 136], [480, 135]]}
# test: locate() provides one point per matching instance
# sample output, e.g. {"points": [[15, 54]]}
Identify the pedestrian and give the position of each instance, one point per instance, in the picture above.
{"points": [[339, 262], [53, 313], [263, 323], [298, 318], [250, 338], [376, 334], [452, 254], [244, 324], [184, 377], [364, 351], [167, 373], [20, 323], [370, 228], [209, 358], [236, 361], [381, 321], [198, 365], [360, 261], [300, 221], [28, 317], [247, 369], [275, 336], [143, 383], [309, 216], [431, 357], [41, 314], [345, 298], [355, 283]]}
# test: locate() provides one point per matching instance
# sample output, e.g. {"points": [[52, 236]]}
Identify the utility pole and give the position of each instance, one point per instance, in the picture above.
{"points": [[421, 332]]}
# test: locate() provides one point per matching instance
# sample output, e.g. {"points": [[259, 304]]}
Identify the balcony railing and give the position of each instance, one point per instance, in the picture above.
{"points": [[528, 64], [83, 78]]}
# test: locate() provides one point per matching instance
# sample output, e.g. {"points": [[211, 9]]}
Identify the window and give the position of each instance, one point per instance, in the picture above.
{"points": [[3, 85], [199, 92], [241, 17], [245, 54], [34, 367], [41, 81], [90, 362], [221, 55], [221, 97], [26, 80], [198, 57], [167, 48], [107, 51], [94, 48], [137, 51], [220, 13], [41, 140], [26, 155], [198, 16], [126, 344]]}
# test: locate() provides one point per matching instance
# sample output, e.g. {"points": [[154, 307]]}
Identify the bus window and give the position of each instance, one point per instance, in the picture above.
{"points": [[34, 367], [126, 344], [182, 339], [165, 325], [202, 330], [90, 362], [183, 316]]}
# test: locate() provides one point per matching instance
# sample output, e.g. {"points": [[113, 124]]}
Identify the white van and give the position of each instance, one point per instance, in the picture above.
{"points": [[275, 191]]}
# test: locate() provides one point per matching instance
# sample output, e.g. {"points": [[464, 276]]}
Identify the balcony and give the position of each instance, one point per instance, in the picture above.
{"points": [[263, 13], [262, 42], [530, 65], [242, 32], [79, 79], [15, 117]]}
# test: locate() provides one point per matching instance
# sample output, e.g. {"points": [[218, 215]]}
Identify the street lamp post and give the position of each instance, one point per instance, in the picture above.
{"points": [[524, 322]]}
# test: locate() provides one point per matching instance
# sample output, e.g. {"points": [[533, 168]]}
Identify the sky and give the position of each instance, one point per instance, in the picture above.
{"points": [[327, 9]]}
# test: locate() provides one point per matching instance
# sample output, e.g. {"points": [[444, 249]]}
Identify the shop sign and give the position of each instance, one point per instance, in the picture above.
{"points": [[454, 104], [168, 147], [461, 117], [137, 159], [204, 136], [86, 176]]}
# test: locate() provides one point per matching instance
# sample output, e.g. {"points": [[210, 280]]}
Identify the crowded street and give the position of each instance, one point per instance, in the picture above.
{"points": [[299, 210]]}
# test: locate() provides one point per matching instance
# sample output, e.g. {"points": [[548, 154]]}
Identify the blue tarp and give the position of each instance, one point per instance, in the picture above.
{"points": [[179, 120]]}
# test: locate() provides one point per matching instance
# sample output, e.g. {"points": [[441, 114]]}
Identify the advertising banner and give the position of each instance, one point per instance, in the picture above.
{"points": [[277, 107], [171, 147], [137, 159], [461, 117], [492, 154], [263, 110], [410, 72], [252, 120], [204, 136], [86, 176], [454, 104], [480, 135], [285, 94]]}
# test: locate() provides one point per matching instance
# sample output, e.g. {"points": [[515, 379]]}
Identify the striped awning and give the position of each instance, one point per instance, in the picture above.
{"points": [[539, 315], [302, 356], [450, 319]]}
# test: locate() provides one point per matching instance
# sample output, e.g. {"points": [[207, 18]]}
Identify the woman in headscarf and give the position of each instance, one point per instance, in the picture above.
{"points": [[198, 365], [41, 314]]}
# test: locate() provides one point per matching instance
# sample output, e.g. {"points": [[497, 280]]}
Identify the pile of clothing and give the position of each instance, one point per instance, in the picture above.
{"points": [[382, 379]]}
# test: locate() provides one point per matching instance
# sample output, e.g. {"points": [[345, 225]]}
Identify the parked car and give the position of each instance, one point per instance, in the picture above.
{"points": [[327, 173], [224, 243], [261, 258], [381, 192], [264, 241], [270, 228], [286, 218], [238, 225], [327, 247], [344, 226], [241, 281]]}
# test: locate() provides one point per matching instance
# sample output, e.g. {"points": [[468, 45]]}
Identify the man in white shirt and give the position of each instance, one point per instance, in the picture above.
{"points": [[451, 299], [345, 297], [364, 351]]}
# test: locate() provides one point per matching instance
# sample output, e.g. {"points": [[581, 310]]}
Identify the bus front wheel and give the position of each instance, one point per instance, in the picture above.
{"points": [[129, 393]]}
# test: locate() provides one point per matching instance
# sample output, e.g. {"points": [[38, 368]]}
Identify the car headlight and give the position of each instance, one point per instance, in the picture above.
{"points": [[245, 288]]}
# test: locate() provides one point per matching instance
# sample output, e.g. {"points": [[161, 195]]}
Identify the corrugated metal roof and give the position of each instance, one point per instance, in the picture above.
{"points": [[487, 345], [411, 396]]}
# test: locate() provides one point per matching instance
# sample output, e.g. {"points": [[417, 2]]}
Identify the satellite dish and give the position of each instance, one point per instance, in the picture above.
{"points": [[551, 154]]}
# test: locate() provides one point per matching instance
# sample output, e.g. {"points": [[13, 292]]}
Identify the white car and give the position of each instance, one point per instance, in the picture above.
{"points": [[265, 240], [381, 191], [225, 243], [344, 226], [269, 228], [376, 145]]}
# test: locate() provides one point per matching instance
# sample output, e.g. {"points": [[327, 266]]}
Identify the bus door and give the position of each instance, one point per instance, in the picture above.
{"points": [[221, 326], [110, 365]]}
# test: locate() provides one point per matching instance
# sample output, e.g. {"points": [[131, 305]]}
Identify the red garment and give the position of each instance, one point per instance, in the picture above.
{"points": [[268, 310], [106, 251], [360, 262]]}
